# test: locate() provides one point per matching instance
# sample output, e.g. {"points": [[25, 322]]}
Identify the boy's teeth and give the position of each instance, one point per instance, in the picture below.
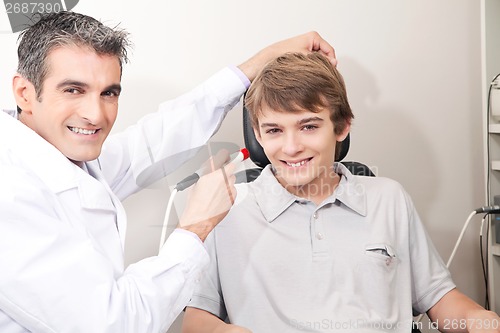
{"points": [[294, 165], [82, 131]]}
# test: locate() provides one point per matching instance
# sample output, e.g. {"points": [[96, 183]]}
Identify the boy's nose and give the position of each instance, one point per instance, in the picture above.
{"points": [[291, 145]]}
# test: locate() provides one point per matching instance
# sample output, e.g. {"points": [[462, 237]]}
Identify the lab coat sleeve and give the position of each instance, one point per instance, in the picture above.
{"points": [[162, 141], [54, 279]]}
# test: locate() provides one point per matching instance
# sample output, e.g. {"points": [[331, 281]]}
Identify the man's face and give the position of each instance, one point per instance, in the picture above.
{"points": [[301, 148], [79, 102]]}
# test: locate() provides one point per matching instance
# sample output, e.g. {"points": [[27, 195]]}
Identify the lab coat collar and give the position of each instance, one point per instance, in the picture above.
{"points": [[39, 156], [50, 165]]}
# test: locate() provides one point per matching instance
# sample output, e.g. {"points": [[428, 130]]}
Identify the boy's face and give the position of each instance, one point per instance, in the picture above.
{"points": [[78, 104], [301, 147]]}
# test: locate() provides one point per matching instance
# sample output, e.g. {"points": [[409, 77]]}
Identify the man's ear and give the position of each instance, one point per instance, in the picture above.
{"points": [[24, 93], [344, 133]]}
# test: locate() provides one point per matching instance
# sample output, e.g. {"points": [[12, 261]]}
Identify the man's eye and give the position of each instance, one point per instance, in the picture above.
{"points": [[72, 90], [111, 93]]}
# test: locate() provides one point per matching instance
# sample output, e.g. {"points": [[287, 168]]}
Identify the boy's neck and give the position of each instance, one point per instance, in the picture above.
{"points": [[317, 191]]}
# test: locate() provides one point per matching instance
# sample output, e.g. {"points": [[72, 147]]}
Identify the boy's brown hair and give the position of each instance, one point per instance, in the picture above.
{"points": [[295, 82]]}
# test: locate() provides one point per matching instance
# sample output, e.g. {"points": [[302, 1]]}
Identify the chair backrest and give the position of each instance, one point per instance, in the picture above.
{"points": [[260, 159]]}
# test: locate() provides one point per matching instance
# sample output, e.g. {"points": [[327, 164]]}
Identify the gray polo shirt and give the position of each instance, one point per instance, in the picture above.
{"points": [[358, 262]]}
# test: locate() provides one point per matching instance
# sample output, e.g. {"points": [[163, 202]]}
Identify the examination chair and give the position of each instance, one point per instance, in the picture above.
{"points": [[260, 159]]}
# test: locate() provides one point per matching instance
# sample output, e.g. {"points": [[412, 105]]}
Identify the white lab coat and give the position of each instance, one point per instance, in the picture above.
{"points": [[62, 228]]}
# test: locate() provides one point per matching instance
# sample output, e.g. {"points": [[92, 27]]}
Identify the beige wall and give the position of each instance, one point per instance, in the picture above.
{"points": [[412, 70]]}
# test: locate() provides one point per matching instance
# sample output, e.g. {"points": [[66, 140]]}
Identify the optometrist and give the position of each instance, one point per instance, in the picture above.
{"points": [[62, 224]]}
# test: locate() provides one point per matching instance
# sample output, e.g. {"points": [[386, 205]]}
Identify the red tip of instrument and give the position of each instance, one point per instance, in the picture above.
{"points": [[245, 152]]}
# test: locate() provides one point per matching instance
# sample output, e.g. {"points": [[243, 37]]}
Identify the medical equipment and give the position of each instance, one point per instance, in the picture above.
{"points": [[495, 98], [486, 210], [190, 180], [242, 155]]}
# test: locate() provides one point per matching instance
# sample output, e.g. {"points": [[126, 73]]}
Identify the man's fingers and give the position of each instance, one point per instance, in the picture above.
{"points": [[218, 160], [321, 45], [229, 184]]}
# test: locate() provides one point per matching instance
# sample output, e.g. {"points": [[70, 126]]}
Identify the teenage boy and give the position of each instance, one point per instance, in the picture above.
{"points": [[310, 247]]}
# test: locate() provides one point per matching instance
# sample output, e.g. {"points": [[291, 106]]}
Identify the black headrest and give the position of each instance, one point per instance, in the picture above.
{"points": [[257, 154]]}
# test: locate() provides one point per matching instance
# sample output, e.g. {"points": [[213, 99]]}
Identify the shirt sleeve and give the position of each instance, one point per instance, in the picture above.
{"points": [[162, 141], [208, 293], [56, 279], [431, 278], [241, 75]]}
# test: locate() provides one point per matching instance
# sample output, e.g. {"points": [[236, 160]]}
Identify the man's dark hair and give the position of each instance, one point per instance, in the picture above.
{"points": [[60, 29]]}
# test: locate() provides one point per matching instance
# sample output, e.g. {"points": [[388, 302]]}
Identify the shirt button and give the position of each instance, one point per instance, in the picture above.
{"points": [[315, 216], [319, 236]]}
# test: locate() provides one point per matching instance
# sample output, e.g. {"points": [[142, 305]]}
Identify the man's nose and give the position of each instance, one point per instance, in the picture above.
{"points": [[93, 110]]}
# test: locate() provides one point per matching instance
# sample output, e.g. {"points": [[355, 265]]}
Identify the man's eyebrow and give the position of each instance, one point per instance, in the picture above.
{"points": [[80, 84], [115, 86], [73, 83]]}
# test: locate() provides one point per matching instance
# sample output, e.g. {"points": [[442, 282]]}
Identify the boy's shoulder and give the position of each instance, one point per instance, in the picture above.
{"points": [[379, 185]]}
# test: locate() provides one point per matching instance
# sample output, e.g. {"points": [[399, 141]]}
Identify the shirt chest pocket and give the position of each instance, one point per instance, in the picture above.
{"points": [[381, 255], [376, 274]]}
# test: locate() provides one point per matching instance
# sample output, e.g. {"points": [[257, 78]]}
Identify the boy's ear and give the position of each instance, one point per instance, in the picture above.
{"points": [[256, 132], [344, 133], [24, 93]]}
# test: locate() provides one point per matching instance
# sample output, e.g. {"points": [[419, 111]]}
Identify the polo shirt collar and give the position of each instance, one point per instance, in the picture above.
{"points": [[350, 191], [273, 199]]}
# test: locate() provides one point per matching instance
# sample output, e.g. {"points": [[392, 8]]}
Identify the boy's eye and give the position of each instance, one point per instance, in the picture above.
{"points": [[309, 127], [272, 131]]}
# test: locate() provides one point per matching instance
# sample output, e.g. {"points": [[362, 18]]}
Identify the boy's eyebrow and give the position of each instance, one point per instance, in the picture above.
{"points": [[299, 122], [309, 120], [268, 125]]}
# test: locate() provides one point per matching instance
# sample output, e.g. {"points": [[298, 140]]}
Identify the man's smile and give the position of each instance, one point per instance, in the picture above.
{"points": [[82, 130]]}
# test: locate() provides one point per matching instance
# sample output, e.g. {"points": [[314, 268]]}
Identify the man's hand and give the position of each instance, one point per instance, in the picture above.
{"points": [[306, 43], [209, 201]]}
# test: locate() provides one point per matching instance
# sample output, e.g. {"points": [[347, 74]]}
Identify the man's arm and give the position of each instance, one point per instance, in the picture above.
{"points": [[455, 312], [308, 42], [51, 251], [161, 141], [201, 321]]}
